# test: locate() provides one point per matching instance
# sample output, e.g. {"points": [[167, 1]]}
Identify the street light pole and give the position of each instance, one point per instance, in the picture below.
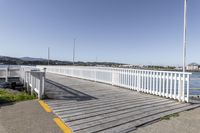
{"points": [[48, 54], [184, 35], [74, 50]]}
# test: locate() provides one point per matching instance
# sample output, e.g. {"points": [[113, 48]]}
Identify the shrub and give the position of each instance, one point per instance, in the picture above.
{"points": [[7, 96]]}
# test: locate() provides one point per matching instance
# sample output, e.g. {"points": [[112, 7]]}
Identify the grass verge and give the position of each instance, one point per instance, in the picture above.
{"points": [[195, 88], [169, 116], [7, 96]]}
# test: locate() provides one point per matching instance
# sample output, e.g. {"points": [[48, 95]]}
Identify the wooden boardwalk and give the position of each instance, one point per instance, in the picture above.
{"points": [[89, 107]]}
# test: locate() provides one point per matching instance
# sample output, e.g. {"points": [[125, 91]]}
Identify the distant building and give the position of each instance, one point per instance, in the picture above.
{"points": [[101, 65], [127, 65], [193, 67], [179, 68]]}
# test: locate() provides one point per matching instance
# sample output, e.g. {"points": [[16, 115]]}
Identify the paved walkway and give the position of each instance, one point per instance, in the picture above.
{"points": [[88, 107], [186, 122], [26, 117]]}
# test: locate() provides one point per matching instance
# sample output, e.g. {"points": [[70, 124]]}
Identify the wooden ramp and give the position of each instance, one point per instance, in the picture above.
{"points": [[89, 107]]}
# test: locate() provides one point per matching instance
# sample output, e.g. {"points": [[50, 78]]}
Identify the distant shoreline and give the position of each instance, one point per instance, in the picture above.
{"points": [[108, 65]]}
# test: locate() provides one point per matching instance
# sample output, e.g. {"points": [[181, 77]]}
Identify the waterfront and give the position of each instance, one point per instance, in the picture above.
{"points": [[194, 80], [195, 83]]}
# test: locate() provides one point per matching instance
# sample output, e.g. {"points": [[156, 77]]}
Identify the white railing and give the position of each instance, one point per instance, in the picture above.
{"points": [[167, 84], [33, 79], [8, 72]]}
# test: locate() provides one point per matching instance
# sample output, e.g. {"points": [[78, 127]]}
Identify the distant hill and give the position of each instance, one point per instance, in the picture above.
{"points": [[10, 60], [5, 60], [32, 59]]}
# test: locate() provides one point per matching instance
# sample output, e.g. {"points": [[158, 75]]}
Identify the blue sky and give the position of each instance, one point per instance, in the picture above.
{"points": [[128, 31]]}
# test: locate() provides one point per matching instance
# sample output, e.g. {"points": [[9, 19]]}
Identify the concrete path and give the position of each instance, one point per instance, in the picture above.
{"points": [[2, 129], [186, 122], [89, 107], [26, 117]]}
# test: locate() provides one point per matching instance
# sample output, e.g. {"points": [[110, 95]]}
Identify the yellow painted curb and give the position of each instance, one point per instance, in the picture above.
{"points": [[62, 125], [45, 106]]}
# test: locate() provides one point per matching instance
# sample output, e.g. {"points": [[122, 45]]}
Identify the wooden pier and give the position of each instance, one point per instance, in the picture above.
{"points": [[91, 107]]}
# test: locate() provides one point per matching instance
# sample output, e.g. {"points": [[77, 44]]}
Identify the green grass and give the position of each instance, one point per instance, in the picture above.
{"points": [[7, 96], [169, 116], [195, 88]]}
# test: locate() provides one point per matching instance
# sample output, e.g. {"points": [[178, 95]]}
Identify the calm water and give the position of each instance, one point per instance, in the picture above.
{"points": [[11, 66], [195, 83]]}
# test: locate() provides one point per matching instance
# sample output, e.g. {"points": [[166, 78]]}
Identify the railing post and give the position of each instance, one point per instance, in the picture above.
{"points": [[153, 87], [6, 78], [150, 86], [139, 80], [160, 81], [113, 76], [175, 86], [43, 83], [28, 81], [188, 91], [45, 70], [41, 88], [180, 87], [135, 80], [32, 85], [95, 71], [183, 88], [24, 79], [163, 84], [167, 86], [171, 87]]}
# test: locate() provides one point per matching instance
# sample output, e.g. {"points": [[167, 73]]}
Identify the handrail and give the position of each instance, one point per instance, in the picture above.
{"points": [[8, 72], [33, 79], [167, 84]]}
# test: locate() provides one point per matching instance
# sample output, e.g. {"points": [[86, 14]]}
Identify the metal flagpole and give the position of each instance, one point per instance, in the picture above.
{"points": [[74, 51], [184, 35], [182, 93], [48, 54]]}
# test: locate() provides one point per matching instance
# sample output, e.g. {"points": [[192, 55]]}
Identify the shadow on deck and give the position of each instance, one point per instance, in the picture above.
{"points": [[56, 91]]}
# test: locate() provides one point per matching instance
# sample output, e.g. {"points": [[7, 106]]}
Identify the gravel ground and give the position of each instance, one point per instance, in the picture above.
{"points": [[26, 117]]}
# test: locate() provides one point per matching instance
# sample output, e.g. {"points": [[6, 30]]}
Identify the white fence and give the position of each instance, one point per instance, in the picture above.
{"points": [[168, 84], [9, 72], [33, 79]]}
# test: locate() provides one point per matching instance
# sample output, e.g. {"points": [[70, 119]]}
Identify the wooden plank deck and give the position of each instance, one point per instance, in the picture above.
{"points": [[89, 107]]}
